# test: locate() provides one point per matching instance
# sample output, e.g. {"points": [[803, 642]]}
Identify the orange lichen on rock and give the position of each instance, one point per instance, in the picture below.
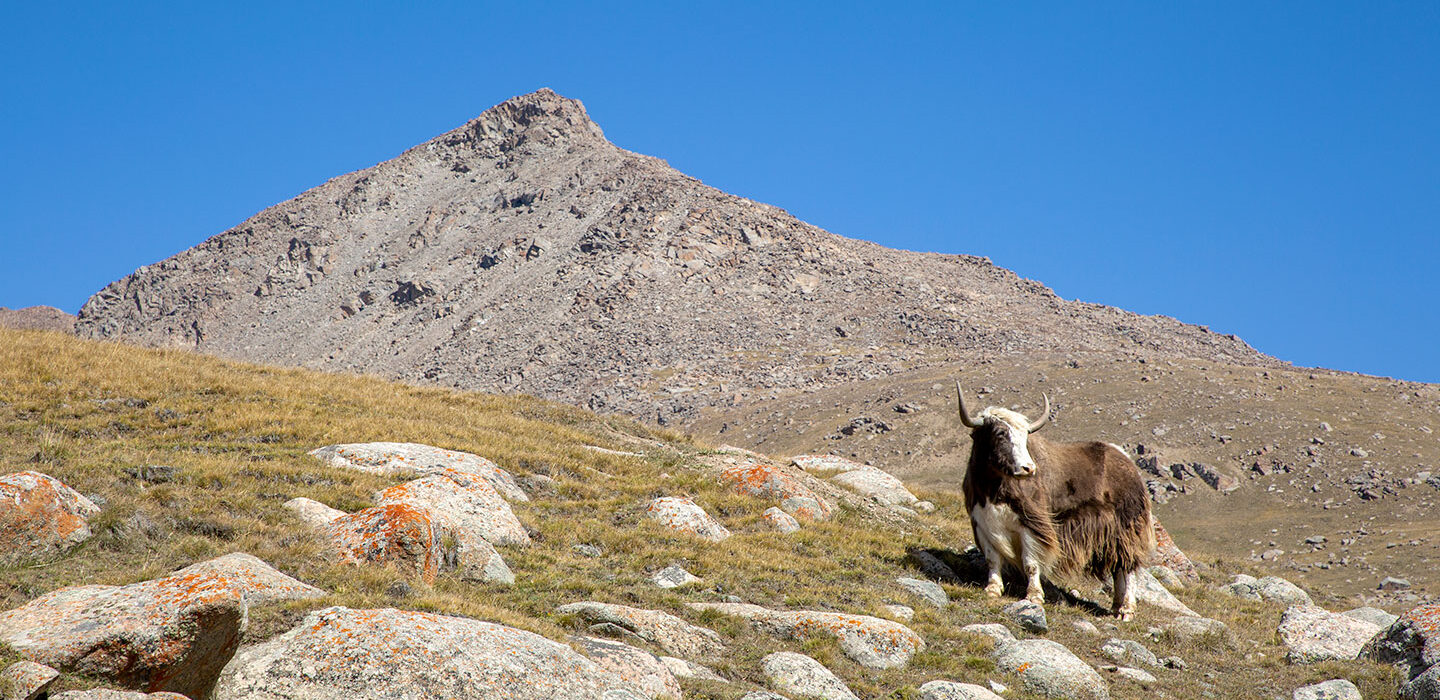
{"points": [[1169, 555], [40, 517], [396, 534], [769, 481]]}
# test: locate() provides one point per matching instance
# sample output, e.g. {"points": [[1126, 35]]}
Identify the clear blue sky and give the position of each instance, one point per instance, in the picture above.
{"points": [[1267, 169]]}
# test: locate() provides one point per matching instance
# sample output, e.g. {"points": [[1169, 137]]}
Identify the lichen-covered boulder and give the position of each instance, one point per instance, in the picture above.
{"points": [[1313, 634], [40, 517], [257, 582], [173, 633], [771, 482], [1049, 668], [344, 654], [685, 516], [1412, 644], [398, 535], [802, 676], [672, 634], [476, 508], [870, 641], [413, 459], [645, 671], [26, 680]]}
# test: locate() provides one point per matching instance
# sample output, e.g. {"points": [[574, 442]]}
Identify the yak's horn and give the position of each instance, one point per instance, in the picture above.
{"points": [[1044, 418], [964, 414]]}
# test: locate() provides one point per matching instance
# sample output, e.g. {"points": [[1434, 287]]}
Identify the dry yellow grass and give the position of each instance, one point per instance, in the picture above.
{"points": [[238, 435]]}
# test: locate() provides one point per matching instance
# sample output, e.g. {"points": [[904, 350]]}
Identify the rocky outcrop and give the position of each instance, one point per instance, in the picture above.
{"points": [[40, 517], [397, 535], [1313, 634], [684, 516], [869, 641], [802, 676], [670, 633], [348, 654], [412, 459]]}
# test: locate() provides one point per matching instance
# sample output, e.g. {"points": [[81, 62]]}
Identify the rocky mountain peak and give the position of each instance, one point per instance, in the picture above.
{"points": [[542, 116]]}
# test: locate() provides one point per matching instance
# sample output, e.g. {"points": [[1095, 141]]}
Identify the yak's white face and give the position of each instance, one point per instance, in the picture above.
{"points": [[1011, 431]]}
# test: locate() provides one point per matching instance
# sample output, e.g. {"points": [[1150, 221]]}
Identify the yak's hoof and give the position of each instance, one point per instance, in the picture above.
{"points": [[1124, 616], [994, 591], [1036, 598]]}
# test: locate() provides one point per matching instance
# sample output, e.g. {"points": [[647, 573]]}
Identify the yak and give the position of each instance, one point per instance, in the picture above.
{"points": [[1054, 508]]}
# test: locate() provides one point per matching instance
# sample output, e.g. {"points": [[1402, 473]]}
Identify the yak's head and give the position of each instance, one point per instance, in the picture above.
{"points": [[1004, 434]]}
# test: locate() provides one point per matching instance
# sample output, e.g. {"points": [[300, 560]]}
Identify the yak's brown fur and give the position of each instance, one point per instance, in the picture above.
{"points": [[1085, 504]]}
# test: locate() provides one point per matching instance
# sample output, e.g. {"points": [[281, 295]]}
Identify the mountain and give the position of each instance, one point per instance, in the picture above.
{"points": [[46, 318], [523, 252]]}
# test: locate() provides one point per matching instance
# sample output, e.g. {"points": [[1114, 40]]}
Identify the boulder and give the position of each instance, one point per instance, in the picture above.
{"points": [[1313, 634], [173, 633], [928, 591], [771, 482], [1271, 589], [869, 641], [1048, 668], [397, 535], [762, 695], [460, 510], [1338, 689], [1029, 615], [257, 582], [684, 516], [312, 512], [950, 690], [344, 654], [1188, 628], [672, 634], [780, 520], [876, 484], [1128, 652], [825, 465], [646, 672], [674, 576], [40, 517], [801, 675], [680, 668], [107, 694], [1149, 590], [26, 680], [411, 459], [994, 630], [1412, 644], [1170, 556], [806, 508]]}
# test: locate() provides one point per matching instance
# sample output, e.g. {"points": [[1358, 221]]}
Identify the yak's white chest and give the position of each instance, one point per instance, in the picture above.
{"points": [[999, 528]]}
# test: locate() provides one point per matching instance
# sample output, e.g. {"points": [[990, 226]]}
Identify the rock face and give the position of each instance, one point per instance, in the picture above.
{"points": [[398, 535], [869, 641], [522, 252], [662, 629], [173, 633], [1412, 644], [40, 517], [769, 481], [803, 676], [640, 668], [684, 516], [1313, 634], [350, 654], [412, 459]]}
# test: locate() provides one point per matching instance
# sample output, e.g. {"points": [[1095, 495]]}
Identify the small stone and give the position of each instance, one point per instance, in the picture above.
{"points": [[312, 512], [680, 668], [152, 473], [40, 517], [1085, 627], [1030, 616], [928, 591], [1187, 628], [993, 630], [1134, 674], [1128, 652], [903, 613], [674, 576], [924, 506], [1048, 668], [1174, 662], [869, 641], [586, 550], [672, 634]]}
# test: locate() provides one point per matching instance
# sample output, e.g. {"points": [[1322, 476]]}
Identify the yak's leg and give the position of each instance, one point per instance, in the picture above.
{"points": [[1123, 602], [995, 585], [1030, 561]]}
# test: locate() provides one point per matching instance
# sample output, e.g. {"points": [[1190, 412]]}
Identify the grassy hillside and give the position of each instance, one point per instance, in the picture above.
{"points": [[89, 413]]}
